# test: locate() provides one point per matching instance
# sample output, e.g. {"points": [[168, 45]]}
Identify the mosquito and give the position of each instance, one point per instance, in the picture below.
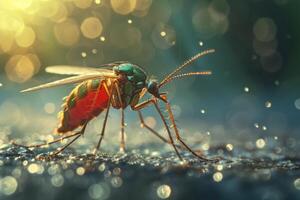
{"points": [[117, 85]]}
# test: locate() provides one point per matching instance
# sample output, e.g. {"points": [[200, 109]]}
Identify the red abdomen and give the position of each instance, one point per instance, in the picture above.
{"points": [[85, 102]]}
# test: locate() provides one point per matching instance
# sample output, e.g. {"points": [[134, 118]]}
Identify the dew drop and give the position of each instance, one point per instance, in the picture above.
{"points": [[268, 104], [164, 191], [102, 38], [260, 143], [297, 183], [229, 147], [83, 54], [8, 185], [163, 34], [80, 171], [218, 176], [57, 180]]}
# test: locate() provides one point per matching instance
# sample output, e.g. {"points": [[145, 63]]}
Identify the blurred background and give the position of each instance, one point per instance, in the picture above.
{"points": [[251, 101], [251, 96]]}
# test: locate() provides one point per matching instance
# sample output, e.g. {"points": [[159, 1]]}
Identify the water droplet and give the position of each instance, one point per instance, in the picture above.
{"points": [[229, 147], [25, 162], [117, 171], [297, 103], [260, 143], [219, 167], [297, 183], [205, 146], [164, 191], [268, 104], [99, 191], [80, 171], [218, 176], [57, 180], [116, 182], [102, 38], [49, 108], [101, 167], [264, 128], [8, 185], [35, 169], [163, 34], [94, 51], [83, 54]]}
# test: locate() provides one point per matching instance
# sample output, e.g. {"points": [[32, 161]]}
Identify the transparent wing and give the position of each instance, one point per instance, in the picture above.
{"points": [[74, 79], [73, 70], [80, 70]]}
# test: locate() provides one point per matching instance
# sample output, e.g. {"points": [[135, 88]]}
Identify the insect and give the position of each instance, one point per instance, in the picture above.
{"points": [[117, 85]]}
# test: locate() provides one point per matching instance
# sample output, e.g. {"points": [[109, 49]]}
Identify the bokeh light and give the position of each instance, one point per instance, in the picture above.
{"points": [[8, 185], [26, 38], [20, 68], [91, 27], [164, 191], [83, 4], [67, 32], [123, 7]]}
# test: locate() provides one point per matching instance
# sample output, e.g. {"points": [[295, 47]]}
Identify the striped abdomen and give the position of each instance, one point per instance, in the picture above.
{"points": [[85, 102]]}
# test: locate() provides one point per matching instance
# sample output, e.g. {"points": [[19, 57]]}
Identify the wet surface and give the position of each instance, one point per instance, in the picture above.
{"points": [[145, 174]]}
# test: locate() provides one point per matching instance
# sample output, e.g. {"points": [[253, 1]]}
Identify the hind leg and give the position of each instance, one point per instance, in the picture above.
{"points": [[178, 135], [78, 134]]}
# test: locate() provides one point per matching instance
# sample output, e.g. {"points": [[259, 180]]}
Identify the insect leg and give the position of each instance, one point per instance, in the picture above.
{"points": [[105, 120], [144, 125], [48, 143], [168, 130], [178, 135], [81, 132], [122, 143]]}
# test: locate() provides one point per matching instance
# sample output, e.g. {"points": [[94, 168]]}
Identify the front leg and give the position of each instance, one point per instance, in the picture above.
{"points": [[154, 102], [178, 137]]}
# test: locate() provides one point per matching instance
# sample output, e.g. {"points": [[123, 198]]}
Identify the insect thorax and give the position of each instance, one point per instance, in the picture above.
{"points": [[132, 85]]}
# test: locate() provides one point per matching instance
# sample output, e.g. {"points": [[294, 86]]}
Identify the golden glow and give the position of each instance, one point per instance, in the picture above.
{"points": [[22, 4], [97, 1], [26, 38], [61, 13], [11, 23], [67, 32], [20, 68], [83, 4], [91, 27], [123, 7]]}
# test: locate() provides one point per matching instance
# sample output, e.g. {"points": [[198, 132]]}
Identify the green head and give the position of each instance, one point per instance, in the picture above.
{"points": [[133, 72], [136, 75]]}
